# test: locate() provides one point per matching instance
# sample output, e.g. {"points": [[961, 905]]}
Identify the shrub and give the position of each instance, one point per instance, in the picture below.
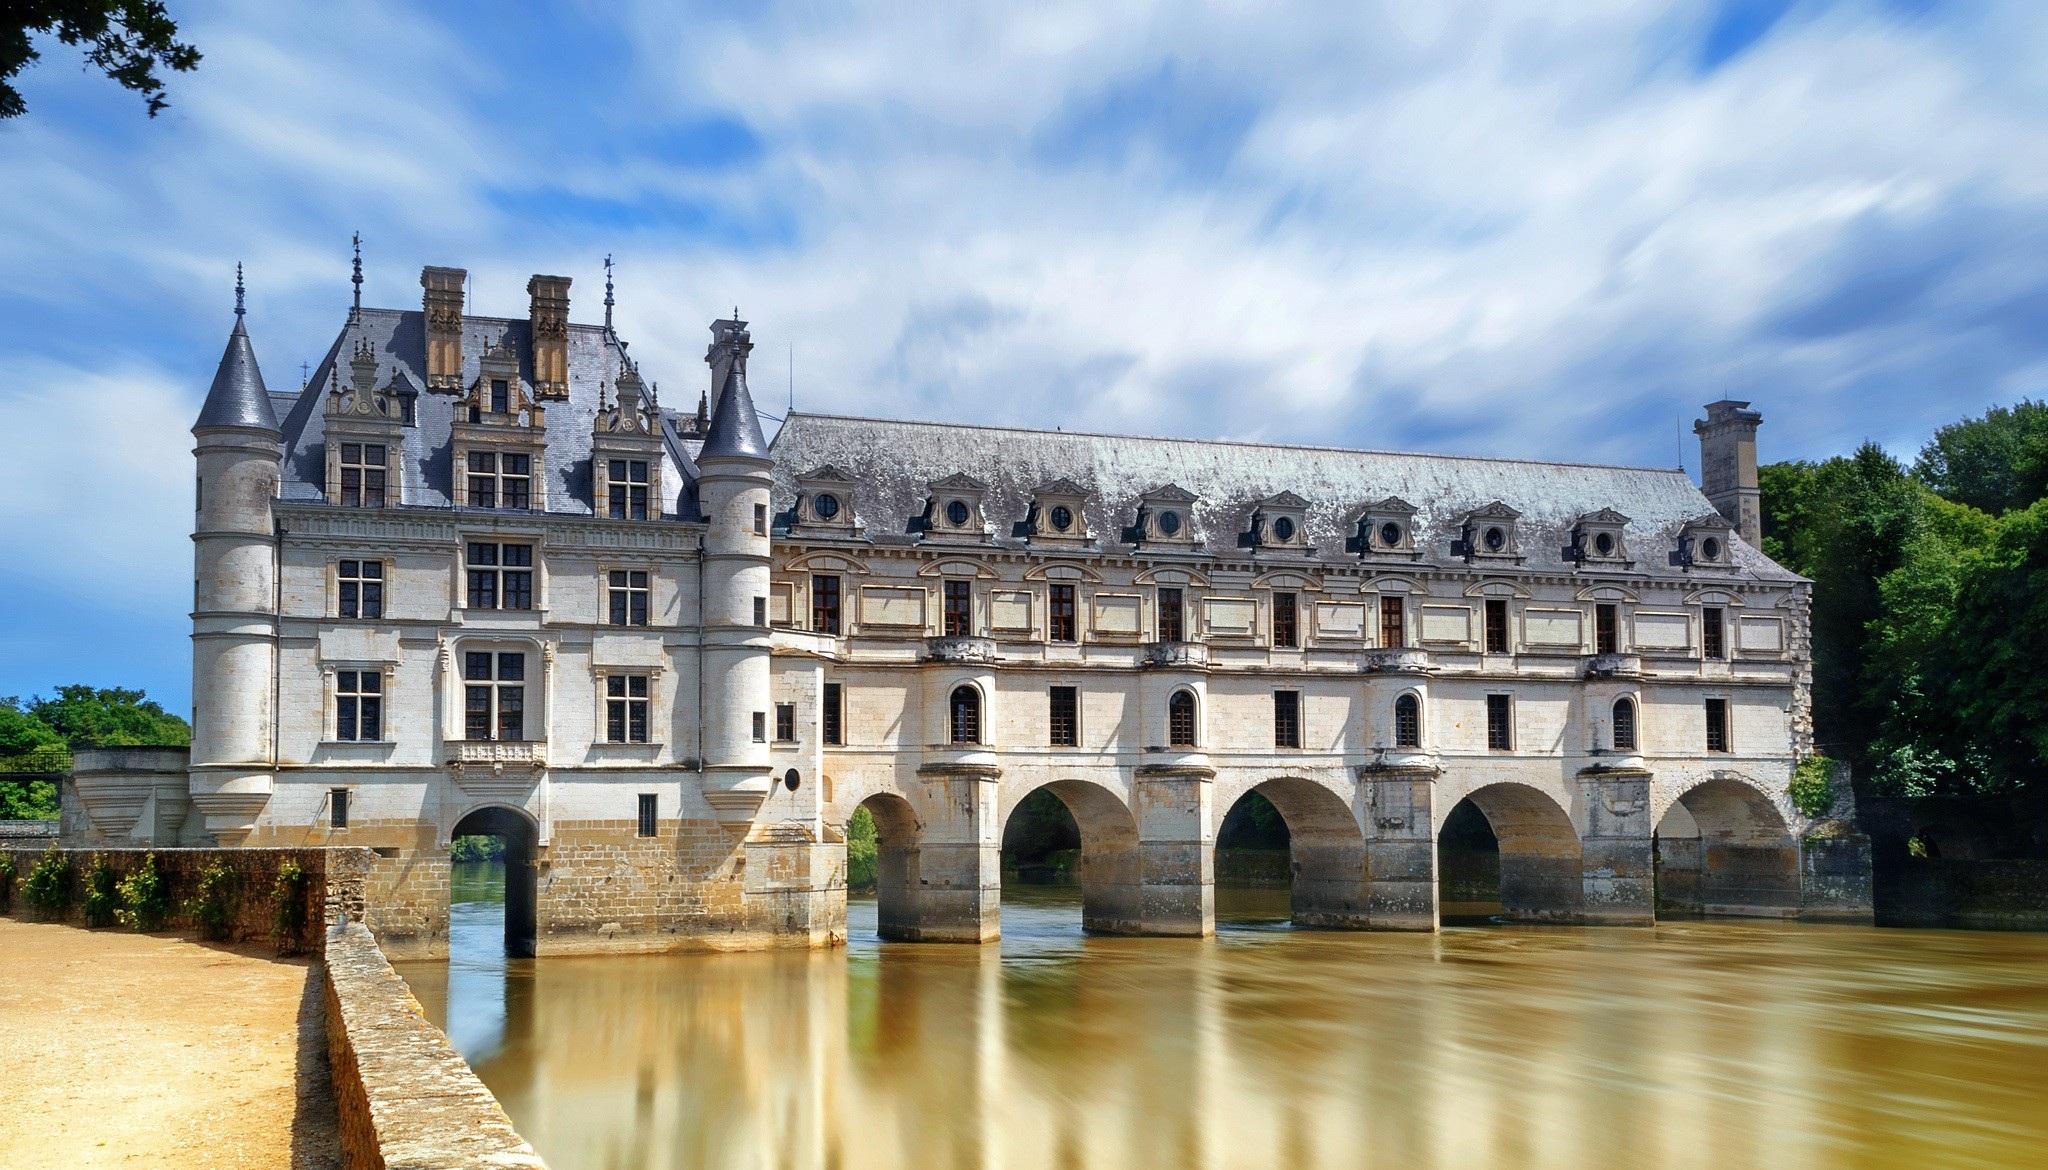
{"points": [[145, 900], [1813, 788], [48, 887], [288, 907], [213, 907], [862, 850], [6, 881], [101, 901]]}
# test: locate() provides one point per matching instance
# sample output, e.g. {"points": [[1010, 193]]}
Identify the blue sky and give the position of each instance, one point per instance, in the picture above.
{"points": [[1533, 230]]}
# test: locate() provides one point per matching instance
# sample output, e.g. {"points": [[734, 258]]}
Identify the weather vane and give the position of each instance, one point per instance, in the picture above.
{"points": [[238, 288]]}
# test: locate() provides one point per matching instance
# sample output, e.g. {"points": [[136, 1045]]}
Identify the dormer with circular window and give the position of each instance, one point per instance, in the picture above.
{"points": [[1705, 544], [953, 510], [1058, 515], [1278, 524], [824, 504], [1597, 541], [1385, 529], [1165, 519], [1488, 534]]}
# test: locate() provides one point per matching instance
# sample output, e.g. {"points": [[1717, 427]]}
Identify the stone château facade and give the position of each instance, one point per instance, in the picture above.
{"points": [[475, 577]]}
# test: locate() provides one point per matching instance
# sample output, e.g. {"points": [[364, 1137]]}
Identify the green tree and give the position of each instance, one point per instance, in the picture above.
{"points": [[1995, 463], [863, 850], [110, 717], [128, 40], [28, 745]]}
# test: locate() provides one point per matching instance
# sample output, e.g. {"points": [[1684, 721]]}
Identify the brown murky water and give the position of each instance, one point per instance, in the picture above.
{"points": [[1704, 1044]]}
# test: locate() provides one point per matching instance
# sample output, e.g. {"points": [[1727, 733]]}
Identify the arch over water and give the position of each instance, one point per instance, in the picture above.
{"points": [[522, 887], [896, 866], [1111, 869], [1326, 853], [1724, 848], [1541, 860]]}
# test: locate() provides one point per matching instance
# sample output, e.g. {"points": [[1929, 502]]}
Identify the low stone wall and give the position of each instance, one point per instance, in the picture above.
{"points": [[406, 1099], [333, 890], [1976, 895]]}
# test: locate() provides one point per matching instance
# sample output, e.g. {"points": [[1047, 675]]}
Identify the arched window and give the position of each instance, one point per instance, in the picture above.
{"points": [[1180, 719], [1407, 722], [966, 712], [1624, 724]]}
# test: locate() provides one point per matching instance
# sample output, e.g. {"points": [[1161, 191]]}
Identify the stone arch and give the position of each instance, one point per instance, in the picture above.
{"points": [[521, 835], [1541, 858], [1326, 852], [1723, 848], [1111, 868], [897, 835]]}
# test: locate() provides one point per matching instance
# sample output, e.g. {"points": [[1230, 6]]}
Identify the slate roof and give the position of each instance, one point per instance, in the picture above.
{"points": [[894, 463], [398, 338], [238, 397]]}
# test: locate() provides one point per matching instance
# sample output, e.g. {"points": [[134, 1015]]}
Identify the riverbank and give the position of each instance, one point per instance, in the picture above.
{"points": [[149, 1050]]}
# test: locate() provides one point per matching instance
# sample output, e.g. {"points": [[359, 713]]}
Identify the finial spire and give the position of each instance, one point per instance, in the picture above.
{"points": [[238, 290], [357, 279], [607, 293]]}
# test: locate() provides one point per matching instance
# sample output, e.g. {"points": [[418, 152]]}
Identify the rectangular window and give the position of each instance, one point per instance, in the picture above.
{"points": [[358, 706], [959, 609], [626, 591], [501, 397], [1287, 719], [362, 475], [337, 808], [834, 715], [494, 695], [515, 480], [1713, 634], [1496, 625], [785, 723], [1285, 629], [761, 612], [1059, 615], [500, 480], [760, 519], [500, 576], [1717, 725], [1065, 721], [1172, 616], [825, 604], [1606, 630], [627, 489], [362, 588], [647, 810], [1391, 623], [760, 727], [1500, 727], [483, 479], [625, 708]]}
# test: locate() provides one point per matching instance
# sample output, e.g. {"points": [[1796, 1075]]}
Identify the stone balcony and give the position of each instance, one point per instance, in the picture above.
{"points": [[502, 768], [972, 761], [1176, 656], [970, 650], [1614, 666], [1394, 660]]}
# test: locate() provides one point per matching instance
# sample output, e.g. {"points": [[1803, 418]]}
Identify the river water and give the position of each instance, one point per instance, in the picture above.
{"points": [[1693, 1044]]}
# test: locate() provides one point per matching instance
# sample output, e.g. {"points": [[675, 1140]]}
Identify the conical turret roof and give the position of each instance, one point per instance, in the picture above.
{"points": [[735, 430], [238, 397]]}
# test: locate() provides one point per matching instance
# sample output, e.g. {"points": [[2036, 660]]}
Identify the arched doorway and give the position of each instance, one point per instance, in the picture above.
{"points": [[1109, 869], [1723, 848], [522, 891], [1324, 850], [894, 865], [1523, 836]]}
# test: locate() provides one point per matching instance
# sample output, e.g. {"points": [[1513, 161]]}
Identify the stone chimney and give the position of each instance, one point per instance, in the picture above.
{"points": [[550, 319], [443, 305], [1728, 465]]}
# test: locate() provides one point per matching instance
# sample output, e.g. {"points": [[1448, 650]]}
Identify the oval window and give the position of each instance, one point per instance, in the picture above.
{"points": [[790, 780], [1062, 519], [1390, 535], [1711, 549], [1496, 539], [827, 506], [1604, 544], [1283, 529], [957, 512], [1169, 522]]}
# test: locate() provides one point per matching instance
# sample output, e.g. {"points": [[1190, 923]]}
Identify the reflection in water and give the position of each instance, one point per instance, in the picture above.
{"points": [[1717, 1044]]}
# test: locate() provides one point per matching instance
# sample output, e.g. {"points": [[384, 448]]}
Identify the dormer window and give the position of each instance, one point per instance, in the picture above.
{"points": [[957, 513], [1165, 517], [1062, 518], [628, 489], [501, 397], [1169, 522], [1279, 524], [362, 475], [1057, 515], [1597, 539], [1385, 529], [500, 480], [953, 511], [1704, 544], [824, 503], [1488, 533]]}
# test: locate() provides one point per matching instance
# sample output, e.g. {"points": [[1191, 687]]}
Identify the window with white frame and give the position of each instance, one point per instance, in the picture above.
{"points": [[361, 589], [628, 489], [500, 576], [500, 479], [625, 708], [494, 695], [362, 475], [358, 706], [626, 597]]}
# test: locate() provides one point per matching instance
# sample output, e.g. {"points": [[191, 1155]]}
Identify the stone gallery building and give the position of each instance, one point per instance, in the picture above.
{"points": [[475, 577]]}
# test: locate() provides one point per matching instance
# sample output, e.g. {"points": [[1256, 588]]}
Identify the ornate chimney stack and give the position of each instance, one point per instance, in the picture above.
{"points": [[1728, 465], [443, 305], [550, 319]]}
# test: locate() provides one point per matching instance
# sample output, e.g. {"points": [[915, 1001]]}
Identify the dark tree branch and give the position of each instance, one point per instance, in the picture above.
{"points": [[128, 40]]}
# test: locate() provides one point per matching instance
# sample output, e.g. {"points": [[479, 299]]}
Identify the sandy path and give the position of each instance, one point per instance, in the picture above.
{"points": [[136, 1050]]}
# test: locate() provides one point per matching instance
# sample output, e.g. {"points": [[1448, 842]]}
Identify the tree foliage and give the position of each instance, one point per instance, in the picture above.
{"points": [[1993, 464], [128, 40], [111, 717]]}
